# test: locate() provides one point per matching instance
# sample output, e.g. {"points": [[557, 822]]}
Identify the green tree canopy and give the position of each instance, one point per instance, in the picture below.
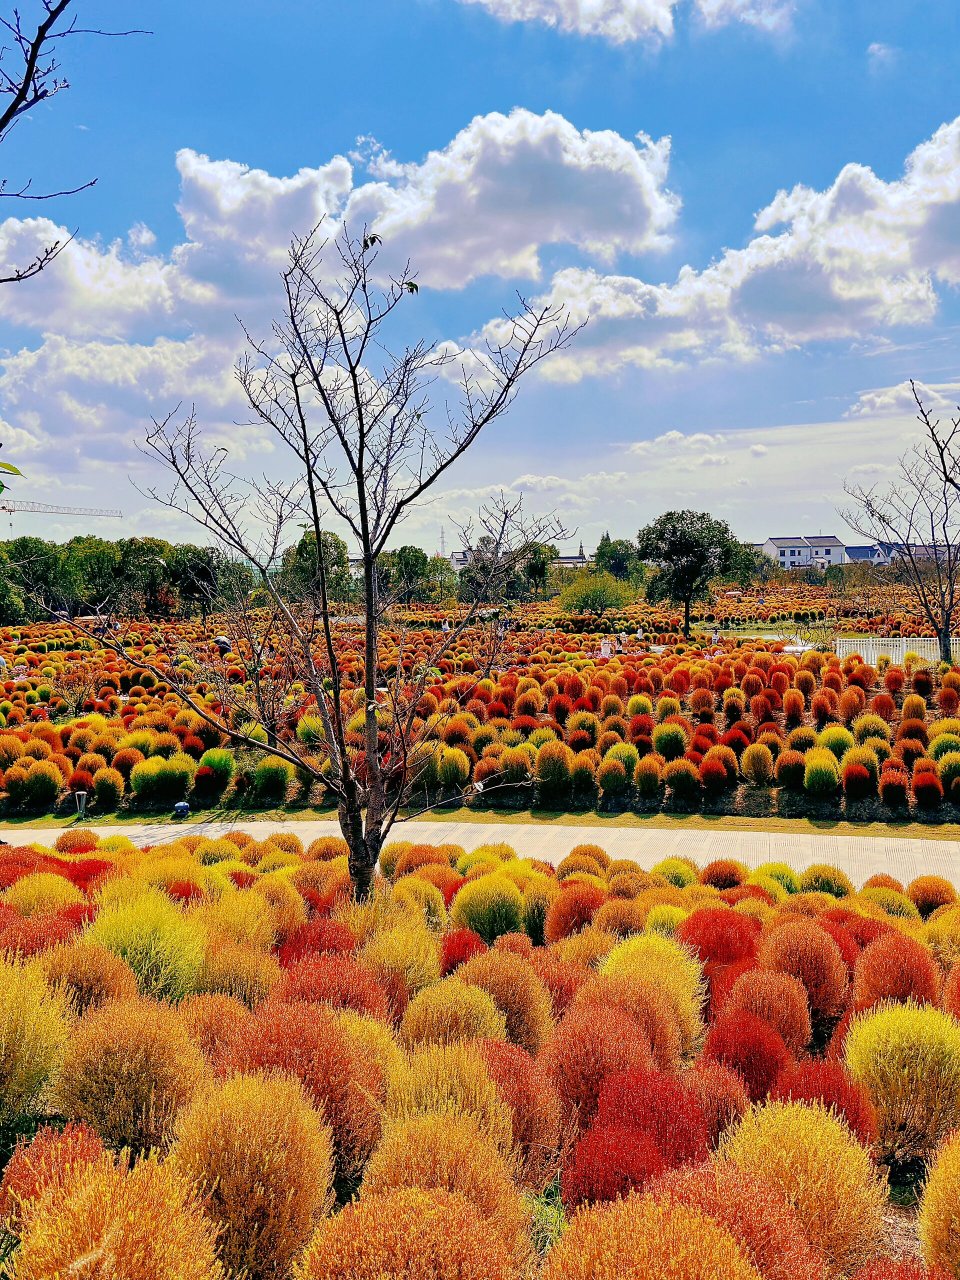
{"points": [[483, 568], [442, 580], [617, 556], [595, 593], [403, 574], [536, 566], [300, 569], [689, 549]]}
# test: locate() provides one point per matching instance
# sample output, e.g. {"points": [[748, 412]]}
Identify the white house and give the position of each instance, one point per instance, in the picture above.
{"points": [[826, 550], [789, 553], [818, 550]]}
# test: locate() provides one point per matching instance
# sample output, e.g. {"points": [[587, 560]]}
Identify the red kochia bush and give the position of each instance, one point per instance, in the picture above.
{"points": [[750, 1047], [894, 784], [754, 1210], [562, 978], [590, 1045], [778, 1000], [44, 1163], [721, 1094], [30, 936], [306, 1041], [829, 1083], [316, 937], [723, 873], [720, 935], [572, 910], [535, 1108], [861, 929], [927, 790], [608, 1161], [805, 951], [895, 967], [663, 1108], [846, 943], [338, 981], [459, 946]]}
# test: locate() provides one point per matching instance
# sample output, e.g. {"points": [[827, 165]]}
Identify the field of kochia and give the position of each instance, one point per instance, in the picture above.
{"points": [[215, 1062], [729, 727]]}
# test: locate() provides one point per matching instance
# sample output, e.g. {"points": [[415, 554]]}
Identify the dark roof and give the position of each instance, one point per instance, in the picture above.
{"points": [[861, 553], [799, 540], [824, 540]]}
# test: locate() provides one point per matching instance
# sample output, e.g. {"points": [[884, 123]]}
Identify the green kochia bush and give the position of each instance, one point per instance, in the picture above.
{"points": [[669, 741], [490, 906], [552, 769], [821, 773], [453, 772], [162, 947], [157, 780], [108, 786], [221, 765], [837, 739], [271, 780]]}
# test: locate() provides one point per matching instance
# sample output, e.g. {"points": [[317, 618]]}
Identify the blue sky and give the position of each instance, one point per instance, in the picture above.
{"points": [[738, 365]]}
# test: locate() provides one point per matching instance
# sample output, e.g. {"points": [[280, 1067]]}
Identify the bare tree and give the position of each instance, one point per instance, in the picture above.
{"points": [[30, 73], [918, 517], [364, 443]]}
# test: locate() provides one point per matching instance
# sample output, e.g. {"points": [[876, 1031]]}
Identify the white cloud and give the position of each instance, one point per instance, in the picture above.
{"points": [[881, 56], [768, 15], [774, 479], [862, 257], [628, 21], [619, 21], [899, 400], [127, 330], [508, 185]]}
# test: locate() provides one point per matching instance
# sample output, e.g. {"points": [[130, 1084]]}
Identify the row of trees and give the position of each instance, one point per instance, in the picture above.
{"points": [[134, 576]]}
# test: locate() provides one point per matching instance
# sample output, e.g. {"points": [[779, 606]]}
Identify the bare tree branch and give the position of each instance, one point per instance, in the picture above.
{"points": [[30, 74], [917, 518], [358, 421]]}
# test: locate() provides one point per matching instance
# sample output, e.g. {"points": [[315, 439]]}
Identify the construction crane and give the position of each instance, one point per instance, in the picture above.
{"points": [[9, 505]]}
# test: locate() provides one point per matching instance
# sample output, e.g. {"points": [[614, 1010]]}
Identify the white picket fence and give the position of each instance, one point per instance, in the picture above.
{"points": [[870, 648]]}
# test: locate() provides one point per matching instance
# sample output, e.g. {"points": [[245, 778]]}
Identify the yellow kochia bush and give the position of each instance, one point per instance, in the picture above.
{"points": [[907, 1057], [130, 1066], [670, 966], [407, 1234], [231, 969], [88, 974], [244, 917], [827, 1177], [162, 947], [261, 1159], [643, 1238], [41, 892], [34, 1032], [409, 950], [451, 1153], [450, 1080], [143, 1225], [939, 1232], [449, 1012]]}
